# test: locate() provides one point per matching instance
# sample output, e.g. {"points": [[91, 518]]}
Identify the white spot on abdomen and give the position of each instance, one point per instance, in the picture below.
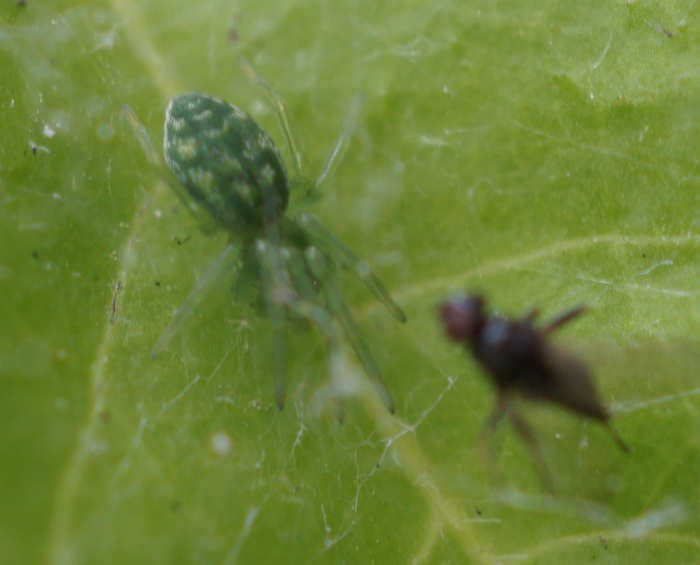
{"points": [[186, 148]]}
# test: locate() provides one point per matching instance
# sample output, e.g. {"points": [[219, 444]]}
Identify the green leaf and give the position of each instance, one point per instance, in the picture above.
{"points": [[542, 153]]}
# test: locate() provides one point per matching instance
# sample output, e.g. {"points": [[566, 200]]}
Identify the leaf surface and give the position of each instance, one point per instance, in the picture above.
{"points": [[542, 153]]}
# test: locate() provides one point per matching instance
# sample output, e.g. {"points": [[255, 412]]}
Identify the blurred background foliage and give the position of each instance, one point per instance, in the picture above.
{"points": [[544, 153]]}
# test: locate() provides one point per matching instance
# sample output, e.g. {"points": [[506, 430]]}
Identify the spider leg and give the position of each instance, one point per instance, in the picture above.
{"points": [[302, 277], [285, 118], [337, 358], [283, 114], [564, 318], [345, 256], [218, 270], [142, 136], [338, 151], [278, 295], [204, 220], [278, 290], [323, 271], [247, 278], [281, 268]]}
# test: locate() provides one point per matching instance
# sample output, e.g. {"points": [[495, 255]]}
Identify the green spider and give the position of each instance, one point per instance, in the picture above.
{"points": [[231, 174]]}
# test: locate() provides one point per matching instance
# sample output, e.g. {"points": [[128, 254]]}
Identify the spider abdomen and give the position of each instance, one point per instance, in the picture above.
{"points": [[227, 162]]}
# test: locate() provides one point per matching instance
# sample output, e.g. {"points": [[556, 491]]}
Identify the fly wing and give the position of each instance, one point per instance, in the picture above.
{"points": [[570, 383]]}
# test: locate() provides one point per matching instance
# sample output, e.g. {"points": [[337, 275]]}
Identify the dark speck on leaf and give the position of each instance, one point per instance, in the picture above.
{"points": [[668, 33], [181, 241]]}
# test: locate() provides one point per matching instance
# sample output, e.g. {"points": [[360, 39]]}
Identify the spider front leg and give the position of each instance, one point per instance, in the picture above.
{"points": [[323, 270], [310, 281], [283, 114], [287, 288], [277, 294], [345, 256]]}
